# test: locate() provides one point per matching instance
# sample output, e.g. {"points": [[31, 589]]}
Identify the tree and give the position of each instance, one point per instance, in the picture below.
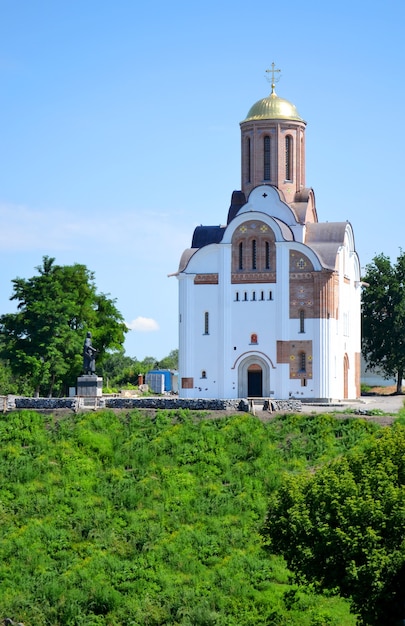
{"points": [[115, 367], [384, 317], [43, 341], [171, 361], [342, 527]]}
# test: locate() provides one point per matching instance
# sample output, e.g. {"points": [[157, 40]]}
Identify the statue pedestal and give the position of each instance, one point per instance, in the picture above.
{"points": [[90, 386]]}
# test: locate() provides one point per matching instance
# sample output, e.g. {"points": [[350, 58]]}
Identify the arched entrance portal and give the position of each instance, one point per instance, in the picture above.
{"points": [[253, 378]]}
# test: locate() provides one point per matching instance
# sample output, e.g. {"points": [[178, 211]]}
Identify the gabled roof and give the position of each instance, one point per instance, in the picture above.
{"points": [[325, 239], [204, 235]]}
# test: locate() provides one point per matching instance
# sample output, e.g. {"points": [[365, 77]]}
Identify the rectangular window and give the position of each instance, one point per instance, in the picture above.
{"points": [[187, 383]]}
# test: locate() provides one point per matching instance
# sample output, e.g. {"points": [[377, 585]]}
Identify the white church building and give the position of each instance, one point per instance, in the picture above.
{"points": [[269, 303]]}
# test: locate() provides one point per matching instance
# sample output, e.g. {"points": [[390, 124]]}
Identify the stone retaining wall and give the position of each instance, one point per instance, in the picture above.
{"points": [[171, 402], [12, 403]]}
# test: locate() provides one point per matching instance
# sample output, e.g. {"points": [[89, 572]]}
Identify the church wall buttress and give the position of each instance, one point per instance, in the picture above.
{"points": [[326, 295]]}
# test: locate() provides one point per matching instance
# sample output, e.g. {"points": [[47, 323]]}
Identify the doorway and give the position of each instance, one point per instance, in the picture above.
{"points": [[254, 377], [255, 381]]}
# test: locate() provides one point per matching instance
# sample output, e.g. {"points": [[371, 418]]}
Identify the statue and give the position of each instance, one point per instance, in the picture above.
{"points": [[89, 356]]}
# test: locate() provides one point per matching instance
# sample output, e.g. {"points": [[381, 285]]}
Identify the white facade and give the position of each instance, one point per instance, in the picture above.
{"points": [[269, 305]]}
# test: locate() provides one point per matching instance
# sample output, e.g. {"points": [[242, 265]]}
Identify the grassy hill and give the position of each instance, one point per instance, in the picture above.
{"points": [[122, 519]]}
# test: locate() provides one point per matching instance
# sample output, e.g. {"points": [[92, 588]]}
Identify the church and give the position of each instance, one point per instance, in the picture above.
{"points": [[269, 303]]}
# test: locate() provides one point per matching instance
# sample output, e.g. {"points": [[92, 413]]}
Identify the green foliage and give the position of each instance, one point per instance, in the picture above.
{"points": [[121, 371], [171, 361], [118, 369], [10, 384], [384, 316], [342, 527], [42, 343], [117, 518]]}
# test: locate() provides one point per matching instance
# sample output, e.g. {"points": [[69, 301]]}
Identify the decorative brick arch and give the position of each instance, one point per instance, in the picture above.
{"points": [[253, 253]]}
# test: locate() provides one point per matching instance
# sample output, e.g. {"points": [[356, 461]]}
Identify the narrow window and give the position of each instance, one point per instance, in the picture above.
{"points": [[262, 295], [267, 255], [206, 323], [237, 296], [254, 254], [288, 157], [302, 321], [303, 382], [245, 296], [254, 295], [266, 158], [249, 160], [303, 362], [270, 295], [241, 256]]}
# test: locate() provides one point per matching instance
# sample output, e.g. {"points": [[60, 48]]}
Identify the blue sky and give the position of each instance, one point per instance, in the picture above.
{"points": [[119, 132]]}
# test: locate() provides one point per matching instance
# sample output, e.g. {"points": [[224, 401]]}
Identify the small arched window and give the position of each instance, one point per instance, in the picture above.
{"points": [[254, 254], [266, 158], [253, 338], [240, 264], [267, 255], [288, 157], [302, 321], [206, 323], [203, 374]]}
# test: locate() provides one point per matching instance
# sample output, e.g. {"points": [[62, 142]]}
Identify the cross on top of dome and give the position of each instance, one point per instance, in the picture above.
{"points": [[274, 80]]}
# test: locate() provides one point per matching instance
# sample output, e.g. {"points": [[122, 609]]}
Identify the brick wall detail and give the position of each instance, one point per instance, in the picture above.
{"points": [[291, 352], [206, 279], [315, 293], [259, 267]]}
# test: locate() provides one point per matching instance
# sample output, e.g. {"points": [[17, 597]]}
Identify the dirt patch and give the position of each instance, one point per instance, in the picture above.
{"points": [[381, 391]]}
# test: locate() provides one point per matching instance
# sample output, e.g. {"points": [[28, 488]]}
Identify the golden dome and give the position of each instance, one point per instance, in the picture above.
{"points": [[273, 108]]}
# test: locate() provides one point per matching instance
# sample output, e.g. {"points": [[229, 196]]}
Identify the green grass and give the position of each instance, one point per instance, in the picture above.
{"points": [[120, 519]]}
